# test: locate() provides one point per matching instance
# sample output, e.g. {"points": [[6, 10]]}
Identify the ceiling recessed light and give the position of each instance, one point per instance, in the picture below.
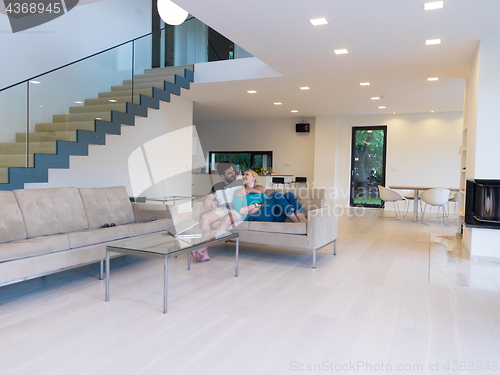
{"points": [[431, 42], [35, 82], [340, 51], [113, 100], [381, 107], [432, 111], [294, 111], [277, 103], [77, 102], [434, 5], [319, 21], [252, 92], [376, 98], [364, 84], [98, 118], [393, 113], [433, 79], [304, 88]]}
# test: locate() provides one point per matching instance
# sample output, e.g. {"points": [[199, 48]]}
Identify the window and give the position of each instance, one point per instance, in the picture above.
{"points": [[242, 160]]}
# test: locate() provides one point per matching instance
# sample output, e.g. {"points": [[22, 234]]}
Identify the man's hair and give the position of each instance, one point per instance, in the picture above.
{"points": [[222, 167]]}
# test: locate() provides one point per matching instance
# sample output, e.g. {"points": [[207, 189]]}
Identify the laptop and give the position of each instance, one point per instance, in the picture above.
{"points": [[182, 227]]}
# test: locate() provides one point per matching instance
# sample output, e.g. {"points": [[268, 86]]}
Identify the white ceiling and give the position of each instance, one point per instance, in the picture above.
{"points": [[385, 39]]}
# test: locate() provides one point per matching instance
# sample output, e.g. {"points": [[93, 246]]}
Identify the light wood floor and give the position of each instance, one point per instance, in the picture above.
{"points": [[397, 293]]}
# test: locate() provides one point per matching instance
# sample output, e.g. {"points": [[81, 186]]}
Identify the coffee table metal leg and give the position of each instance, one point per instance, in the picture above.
{"points": [[107, 276], [237, 255], [165, 296]]}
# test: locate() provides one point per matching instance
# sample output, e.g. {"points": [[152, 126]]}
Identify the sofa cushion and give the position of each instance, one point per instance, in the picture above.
{"points": [[283, 228], [107, 205], [96, 236], [138, 229], [51, 211], [33, 247], [11, 220]]}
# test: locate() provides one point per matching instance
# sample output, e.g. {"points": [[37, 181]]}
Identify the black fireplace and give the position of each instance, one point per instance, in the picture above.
{"points": [[482, 203]]}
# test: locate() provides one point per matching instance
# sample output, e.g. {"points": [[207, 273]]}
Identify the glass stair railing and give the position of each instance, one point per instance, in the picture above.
{"points": [[47, 118]]}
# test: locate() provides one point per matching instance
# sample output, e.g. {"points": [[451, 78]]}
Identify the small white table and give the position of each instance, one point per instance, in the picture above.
{"points": [[416, 189]]}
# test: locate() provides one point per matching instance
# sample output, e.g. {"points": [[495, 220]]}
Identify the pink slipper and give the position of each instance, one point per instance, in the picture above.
{"points": [[195, 254]]}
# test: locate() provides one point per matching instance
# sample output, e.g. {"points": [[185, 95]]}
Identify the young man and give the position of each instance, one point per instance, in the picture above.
{"points": [[222, 193]]}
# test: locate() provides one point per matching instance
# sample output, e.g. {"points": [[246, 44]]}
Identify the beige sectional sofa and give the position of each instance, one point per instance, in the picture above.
{"points": [[48, 230], [320, 230]]}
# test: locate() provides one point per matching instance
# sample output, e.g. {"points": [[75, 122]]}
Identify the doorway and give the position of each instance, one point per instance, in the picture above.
{"points": [[368, 161]]}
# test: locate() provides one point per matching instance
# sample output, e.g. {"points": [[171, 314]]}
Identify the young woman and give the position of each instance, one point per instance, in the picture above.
{"points": [[273, 208]]}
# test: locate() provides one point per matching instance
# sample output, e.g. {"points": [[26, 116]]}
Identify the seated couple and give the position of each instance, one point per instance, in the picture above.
{"points": [[245, 200]]}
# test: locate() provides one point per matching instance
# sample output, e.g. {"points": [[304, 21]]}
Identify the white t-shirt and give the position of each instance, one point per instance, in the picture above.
{"points": [[224, 193]]}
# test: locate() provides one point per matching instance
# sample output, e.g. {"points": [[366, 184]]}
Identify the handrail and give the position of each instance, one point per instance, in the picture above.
{"points": [[89, 56]]}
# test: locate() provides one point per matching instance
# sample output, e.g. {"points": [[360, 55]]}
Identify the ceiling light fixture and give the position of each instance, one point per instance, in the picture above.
{"points": [[432, 111], [364, 84], [433, 79], [431, 42], [340, 51], [393, 113], [77, 102], [35, 82], [277, 103], [304, 88], [375, 98], [381, 107], [252, 92], [319, 21], [434, 5], [113, 100], [171, 13], [294, 111]]}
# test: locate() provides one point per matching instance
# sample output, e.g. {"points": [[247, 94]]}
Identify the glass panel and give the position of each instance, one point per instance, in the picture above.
{"points": [[13, 122], [164, 243], [194, 42], [74, 97], [368, 166]]}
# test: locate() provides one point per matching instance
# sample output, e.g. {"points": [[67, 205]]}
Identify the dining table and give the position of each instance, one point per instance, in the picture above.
{"points": [[416, 190]]}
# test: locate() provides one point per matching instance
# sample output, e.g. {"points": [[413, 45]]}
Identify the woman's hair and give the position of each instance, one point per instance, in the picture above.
{"points": [[257, 182]]}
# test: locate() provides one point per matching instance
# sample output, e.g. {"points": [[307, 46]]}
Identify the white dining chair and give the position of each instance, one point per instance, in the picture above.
{"points": [[388, 195], [435, 197]]}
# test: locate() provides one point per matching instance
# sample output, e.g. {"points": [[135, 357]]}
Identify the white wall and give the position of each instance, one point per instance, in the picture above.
{"points": [[165, 137], [422, 149], [488, 122], [84, 30], [482, 131], [292, 152]]}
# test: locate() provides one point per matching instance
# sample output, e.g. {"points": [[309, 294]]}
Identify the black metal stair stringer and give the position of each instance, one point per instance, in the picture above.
{"points": [[64, 149]]}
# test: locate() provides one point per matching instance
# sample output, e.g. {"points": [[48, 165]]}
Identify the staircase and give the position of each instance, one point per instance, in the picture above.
{"points": [[70, 134]]}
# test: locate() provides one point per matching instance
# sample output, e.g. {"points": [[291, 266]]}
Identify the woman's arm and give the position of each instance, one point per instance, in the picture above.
{"points": [[239, 204]]}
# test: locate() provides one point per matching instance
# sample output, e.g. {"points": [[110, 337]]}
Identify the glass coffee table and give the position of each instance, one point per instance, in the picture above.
{"points": [[161, 245]]}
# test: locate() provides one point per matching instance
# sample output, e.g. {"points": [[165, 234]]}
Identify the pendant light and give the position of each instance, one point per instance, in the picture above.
{"points": [[171, 13]]}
